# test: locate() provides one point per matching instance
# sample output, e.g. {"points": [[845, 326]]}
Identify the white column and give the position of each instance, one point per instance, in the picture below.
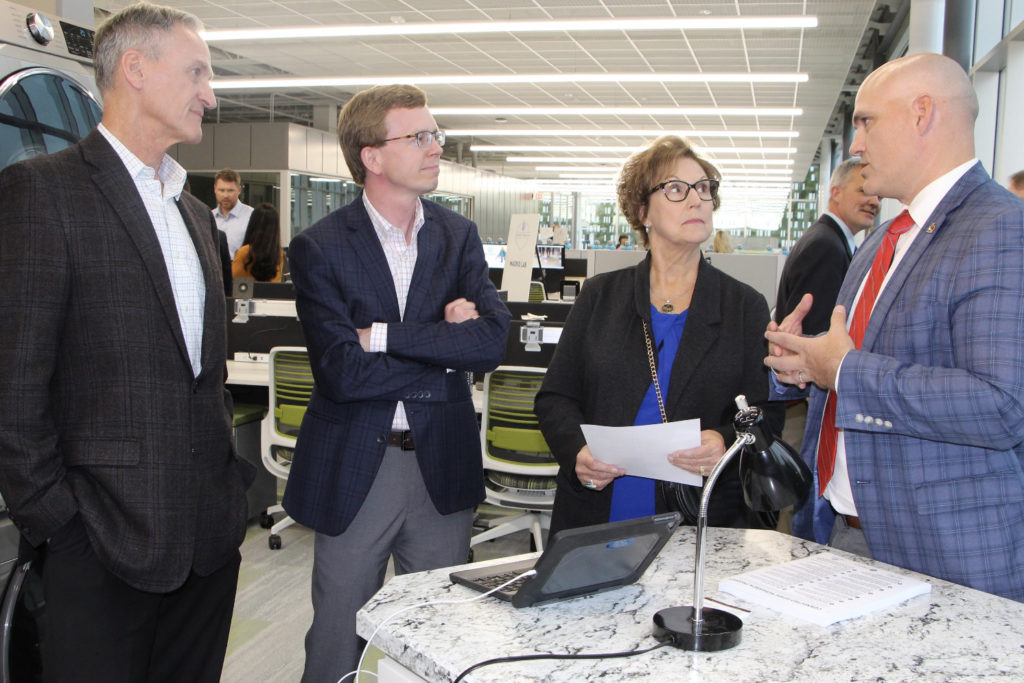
{"points": [[925, 31], [1009, 155]]}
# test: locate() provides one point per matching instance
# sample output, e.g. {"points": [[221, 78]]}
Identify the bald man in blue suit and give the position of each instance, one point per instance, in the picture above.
{"points": [[929, 467]]}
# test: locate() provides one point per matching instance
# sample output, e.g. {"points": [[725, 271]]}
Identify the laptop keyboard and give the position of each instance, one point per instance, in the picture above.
{"points": [[495, 580]]}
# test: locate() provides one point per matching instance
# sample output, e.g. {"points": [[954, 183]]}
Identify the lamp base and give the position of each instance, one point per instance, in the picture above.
{"points": [[719, 630]]}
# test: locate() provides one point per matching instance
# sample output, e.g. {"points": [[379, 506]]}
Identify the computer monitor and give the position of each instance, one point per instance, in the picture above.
{"points": [[495, 255], [551, 256]]}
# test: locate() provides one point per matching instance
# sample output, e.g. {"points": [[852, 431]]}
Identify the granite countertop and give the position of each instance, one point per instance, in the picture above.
{"points": [[952, 634]]}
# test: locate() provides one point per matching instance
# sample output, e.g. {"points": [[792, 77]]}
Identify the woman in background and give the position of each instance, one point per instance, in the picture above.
{"points": [[722, 244], [260, 256], [672, 338]]}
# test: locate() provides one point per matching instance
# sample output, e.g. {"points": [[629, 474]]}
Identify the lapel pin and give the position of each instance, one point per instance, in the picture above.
{"points": [[931, 229]]}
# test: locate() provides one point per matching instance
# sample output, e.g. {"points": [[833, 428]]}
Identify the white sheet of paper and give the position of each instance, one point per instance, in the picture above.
{"points": [[643, 450]]}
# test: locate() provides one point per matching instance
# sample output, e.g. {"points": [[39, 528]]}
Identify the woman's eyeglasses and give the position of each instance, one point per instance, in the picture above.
{"points": [[677, 190]]}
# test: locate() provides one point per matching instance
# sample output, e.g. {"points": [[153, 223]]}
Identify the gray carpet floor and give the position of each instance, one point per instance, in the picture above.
{"points": [[272, 608]]}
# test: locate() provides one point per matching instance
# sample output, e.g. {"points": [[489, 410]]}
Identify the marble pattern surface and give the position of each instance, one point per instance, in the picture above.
{"points": [[952, 634]]}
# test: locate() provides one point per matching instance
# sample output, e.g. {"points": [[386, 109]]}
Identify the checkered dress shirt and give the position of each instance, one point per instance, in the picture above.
{"points": [[402, 261], [159, 191]]}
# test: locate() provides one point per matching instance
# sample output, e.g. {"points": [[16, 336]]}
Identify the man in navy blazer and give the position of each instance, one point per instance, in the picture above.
{"points": [[929, 468], [115, 425], [819, 260], [817, 265], [396, 306]]}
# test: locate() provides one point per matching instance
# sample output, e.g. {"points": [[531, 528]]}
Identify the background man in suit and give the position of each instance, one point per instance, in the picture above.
{"points": [[231, 213], [818, 262], [817, 265], [115, 426], [396, 307], [928, 386]]}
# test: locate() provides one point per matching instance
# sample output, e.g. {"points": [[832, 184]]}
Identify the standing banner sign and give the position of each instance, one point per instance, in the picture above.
{"points": [[521, 255]]}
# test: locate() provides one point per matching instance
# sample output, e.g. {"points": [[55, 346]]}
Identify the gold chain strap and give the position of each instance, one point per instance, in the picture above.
{"points": [[654, 373]]}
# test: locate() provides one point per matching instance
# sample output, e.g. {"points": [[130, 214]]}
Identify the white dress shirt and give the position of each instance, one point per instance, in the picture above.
{"points": [[234, 224]]}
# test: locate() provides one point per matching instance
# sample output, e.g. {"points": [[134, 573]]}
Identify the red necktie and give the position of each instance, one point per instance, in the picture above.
{"points": [[883, 259]]}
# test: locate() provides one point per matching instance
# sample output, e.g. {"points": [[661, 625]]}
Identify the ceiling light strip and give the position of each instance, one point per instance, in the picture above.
{"points": [[503, 79], [623, 148], [476, 27], [616, 111], [617, 132], [622, 159]]}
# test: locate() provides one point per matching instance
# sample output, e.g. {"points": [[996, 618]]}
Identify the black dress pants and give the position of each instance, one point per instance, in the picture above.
{"points": [[98, 628]]}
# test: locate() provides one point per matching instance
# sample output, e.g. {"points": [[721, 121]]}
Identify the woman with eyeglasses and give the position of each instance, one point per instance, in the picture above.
{"points": [[670, 339]]}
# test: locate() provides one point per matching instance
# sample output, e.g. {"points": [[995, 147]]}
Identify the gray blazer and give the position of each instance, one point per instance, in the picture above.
{"points": [[101, 414]]}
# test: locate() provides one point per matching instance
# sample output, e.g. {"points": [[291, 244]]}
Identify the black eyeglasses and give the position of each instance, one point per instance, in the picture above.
{"points": [[423, 138], [677, 190]]}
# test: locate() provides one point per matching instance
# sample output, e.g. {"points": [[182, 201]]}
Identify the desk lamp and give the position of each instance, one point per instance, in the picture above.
{"points": [[772, 476]]}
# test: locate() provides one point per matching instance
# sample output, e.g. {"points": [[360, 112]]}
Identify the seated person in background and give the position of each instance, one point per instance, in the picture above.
{"points": [[722, 244], [260, 256], [675, 312]]}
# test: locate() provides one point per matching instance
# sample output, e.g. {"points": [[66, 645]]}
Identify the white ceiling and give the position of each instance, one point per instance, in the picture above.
{"points": [[825, 53]]}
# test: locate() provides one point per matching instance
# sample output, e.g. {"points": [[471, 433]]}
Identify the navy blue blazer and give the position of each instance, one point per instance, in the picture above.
{"points": [[817, 264], [932, 404], [343, 283]]}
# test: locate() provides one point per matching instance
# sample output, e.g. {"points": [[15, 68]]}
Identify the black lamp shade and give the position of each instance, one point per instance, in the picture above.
{"points": [[772, 474]]}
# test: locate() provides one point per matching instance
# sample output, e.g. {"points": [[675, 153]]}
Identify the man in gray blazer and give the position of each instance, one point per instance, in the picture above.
{"points": [[115, 427], [921, 422]]}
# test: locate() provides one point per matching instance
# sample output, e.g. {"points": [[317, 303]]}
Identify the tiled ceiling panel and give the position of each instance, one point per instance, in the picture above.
{"points": [[825, 53]]}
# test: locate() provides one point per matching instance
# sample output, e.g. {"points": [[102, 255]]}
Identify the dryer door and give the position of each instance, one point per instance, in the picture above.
{"points": [[42, 111]]}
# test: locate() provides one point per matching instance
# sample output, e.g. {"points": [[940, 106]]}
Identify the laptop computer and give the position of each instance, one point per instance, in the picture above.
{"points": [[578, 561]]}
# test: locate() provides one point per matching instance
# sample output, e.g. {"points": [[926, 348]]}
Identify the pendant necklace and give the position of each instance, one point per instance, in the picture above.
{"points": [[668, 306]]}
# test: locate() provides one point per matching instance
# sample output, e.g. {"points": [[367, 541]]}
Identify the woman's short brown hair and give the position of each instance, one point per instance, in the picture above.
{"points": [[361, 121], [642, 170]]}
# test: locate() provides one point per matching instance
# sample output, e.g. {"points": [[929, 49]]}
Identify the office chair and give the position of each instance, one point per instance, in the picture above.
{"points": [[519, 469], [291, 385], [537, 293]]}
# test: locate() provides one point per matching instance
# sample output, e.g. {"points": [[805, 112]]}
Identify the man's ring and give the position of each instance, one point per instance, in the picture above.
{"points": [[590, 484]]}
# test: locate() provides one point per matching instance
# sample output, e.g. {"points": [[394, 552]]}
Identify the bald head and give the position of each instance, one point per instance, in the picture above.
{"points": [[932, 75], [914, 121]]}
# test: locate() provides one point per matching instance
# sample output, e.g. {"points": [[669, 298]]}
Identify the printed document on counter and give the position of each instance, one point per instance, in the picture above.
{"points": [[643, 450], [824, 588]]}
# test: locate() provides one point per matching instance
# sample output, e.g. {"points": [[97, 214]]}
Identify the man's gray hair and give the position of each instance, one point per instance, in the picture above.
{"points": [[134, 27], [841, 175]]}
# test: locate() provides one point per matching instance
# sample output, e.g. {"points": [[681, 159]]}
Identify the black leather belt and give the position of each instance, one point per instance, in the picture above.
{"points": [[402, 440]]}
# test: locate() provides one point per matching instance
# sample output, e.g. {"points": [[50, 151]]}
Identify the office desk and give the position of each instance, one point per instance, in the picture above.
{"points": [[952, 634], [257, 374], [249, 373]]}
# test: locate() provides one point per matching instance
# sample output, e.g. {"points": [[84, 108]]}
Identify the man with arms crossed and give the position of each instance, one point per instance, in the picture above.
{"points": [[115, 442], [923, 458], [396, 306]]}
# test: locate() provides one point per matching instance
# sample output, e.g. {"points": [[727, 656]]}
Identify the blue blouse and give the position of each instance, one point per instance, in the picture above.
{"points": [[634, 496]]}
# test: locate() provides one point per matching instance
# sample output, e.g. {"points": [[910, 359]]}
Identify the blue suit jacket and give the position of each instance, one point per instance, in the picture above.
{"points": [[342, 283], [933, 403]]}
